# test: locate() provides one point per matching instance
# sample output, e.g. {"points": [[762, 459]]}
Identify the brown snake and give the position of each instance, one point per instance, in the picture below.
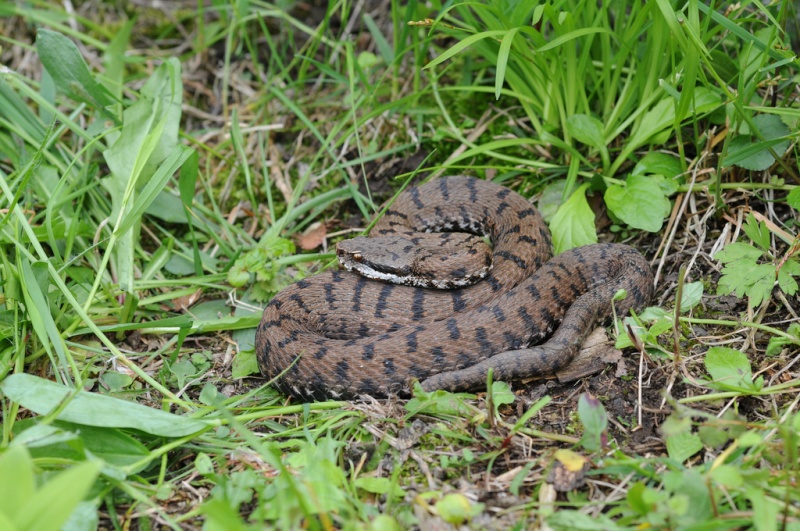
{"points": [[341, 335]]}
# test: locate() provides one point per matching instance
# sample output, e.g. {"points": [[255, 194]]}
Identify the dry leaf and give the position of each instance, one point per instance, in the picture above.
{"points": [[313, 237]]}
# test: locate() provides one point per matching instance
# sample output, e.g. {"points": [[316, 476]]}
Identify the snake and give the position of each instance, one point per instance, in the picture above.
{"points": [[456, 279]]}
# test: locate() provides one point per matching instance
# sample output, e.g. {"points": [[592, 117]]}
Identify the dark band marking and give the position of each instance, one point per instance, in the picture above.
{"points": [[367, 386], [452, 328], [522, 264], [556, 294], [357, 290], [534, 292], [299, 301], [458, 300], [396, 213], [418, 304], [411, 342], [343, 370], [498, 314], [495, 284], [443, 189], [512, 341], [473, 190], [368, 352], [526, 318], [414, 194], [329, 298], [383, 299], [487, 349]]}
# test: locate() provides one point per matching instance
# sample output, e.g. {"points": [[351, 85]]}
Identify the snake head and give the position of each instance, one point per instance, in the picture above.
{"points": [[428, 260]]}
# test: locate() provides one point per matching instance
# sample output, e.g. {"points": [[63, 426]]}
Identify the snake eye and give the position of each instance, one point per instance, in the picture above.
{"points": [[357, 257]]}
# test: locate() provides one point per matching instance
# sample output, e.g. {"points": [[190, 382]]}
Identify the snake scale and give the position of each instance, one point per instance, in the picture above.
{"points": [[338, 334]]}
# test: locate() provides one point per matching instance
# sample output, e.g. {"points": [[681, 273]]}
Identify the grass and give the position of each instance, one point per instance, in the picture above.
{"points": [[164, 173]]}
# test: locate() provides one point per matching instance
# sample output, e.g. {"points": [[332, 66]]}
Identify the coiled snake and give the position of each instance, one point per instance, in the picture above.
{"points": [[341, 334]]}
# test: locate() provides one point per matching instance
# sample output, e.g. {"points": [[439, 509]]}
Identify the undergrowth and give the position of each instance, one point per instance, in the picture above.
{"points": [[163, 173]]}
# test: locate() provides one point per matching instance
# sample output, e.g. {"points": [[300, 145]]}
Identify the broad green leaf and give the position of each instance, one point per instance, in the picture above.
{"points": [[502, 394], [587, 129], [676, 424], [52, 504], [244, 364], [793, 198], [682, 446], [739, 251], [550, 199], [109, 444], [573, 224], [168, 207], [6, 523], [728, 476], [245, 339], [729, 368], [379, 486], [32, 434], [655, 163], [765, 512], [85, 517], [438, 402], [692, 294], [15, 463], [662, 115], [743, 278], [640, 203], [567, 519], [149, 134], [757, 231], [786, 274], [384, 522], [456, 508], [153, 188], [750, 153], [637, 498], [43, 396], [66, 66], [593, 416]]}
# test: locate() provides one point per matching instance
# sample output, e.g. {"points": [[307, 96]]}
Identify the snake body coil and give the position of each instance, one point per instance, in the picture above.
{"points": [[341, 335]]}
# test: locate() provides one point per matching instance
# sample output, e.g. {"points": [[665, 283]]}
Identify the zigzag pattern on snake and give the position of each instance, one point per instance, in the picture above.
{"points": [[340, 334]]}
